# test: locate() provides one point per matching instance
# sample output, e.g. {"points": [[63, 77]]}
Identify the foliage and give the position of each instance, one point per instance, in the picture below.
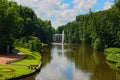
{"points": [[117, 3], [98, 45], [44, 31], [33, 26], [107, 51], [113, 55], [9, 19], [113, 58], [32, 43], [103, 25], [18, 21]]}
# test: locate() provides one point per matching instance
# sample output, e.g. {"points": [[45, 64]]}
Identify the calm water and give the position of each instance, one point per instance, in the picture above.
{"points": [[74, 62]]}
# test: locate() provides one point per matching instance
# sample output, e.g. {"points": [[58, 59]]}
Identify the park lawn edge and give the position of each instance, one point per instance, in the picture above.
{"points": [[32, 57], [113, 57], [22, 65], [11, 75]]}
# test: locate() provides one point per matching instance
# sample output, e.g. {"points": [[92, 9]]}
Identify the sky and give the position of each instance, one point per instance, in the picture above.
{"points": [[60, 12]]}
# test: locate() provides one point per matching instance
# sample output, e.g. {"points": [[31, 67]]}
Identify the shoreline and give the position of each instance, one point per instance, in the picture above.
{"points": [[26, 75], [26, 66], [113, 57]]}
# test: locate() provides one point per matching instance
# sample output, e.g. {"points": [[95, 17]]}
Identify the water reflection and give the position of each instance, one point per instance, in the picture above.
{"points": [[46, 55], [80, 63]]}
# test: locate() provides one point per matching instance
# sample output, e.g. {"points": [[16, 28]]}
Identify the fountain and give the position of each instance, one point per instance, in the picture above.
{"points": [[62, 37], [58, 38]]}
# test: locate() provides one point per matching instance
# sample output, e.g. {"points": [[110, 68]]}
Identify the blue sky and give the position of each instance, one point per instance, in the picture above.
{"points": [[100, 4], [61, 12]]}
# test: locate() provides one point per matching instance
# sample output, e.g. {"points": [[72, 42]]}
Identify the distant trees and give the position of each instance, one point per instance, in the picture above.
{"points": [[44, 31], [18, 21], [99, 29], [117, 3], [33, 43]]}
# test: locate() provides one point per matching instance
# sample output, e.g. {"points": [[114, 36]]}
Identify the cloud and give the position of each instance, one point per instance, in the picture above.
{"points": [[61, 68], [107, 5], [83, 5], [58, 11]]}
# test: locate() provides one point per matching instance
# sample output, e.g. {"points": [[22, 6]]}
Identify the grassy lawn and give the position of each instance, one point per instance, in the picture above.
{"points": [[111, 50], [113, 56], [32, 58], [7, 71], [19, 68]]}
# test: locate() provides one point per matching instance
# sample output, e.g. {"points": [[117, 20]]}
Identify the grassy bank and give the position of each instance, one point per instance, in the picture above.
{"points": [[20, 68], [8, 71], [32, 58], [113, 56]]}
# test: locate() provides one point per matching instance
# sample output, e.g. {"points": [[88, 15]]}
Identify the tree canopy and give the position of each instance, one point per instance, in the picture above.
{"points": [[95, 28], [18, 21]]}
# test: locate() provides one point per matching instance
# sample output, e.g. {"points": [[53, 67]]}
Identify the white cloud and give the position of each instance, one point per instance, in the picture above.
{"points": [[47, 8], [84, 4], [107, 5], [60, 68]]}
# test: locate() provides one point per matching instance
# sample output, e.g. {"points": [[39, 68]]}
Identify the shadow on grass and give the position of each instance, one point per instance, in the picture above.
{"points": [[30, 57], [36, 54], [8, 70], [1, 75]]}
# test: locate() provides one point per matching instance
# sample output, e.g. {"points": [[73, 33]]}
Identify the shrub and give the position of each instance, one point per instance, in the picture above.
{"points": [[113, 50], [113, 57], [98, 45], [33, 43]]}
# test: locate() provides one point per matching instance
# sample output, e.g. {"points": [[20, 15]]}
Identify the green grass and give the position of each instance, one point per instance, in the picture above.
{"points": [[7, 71], [20, 67], [32, 58], [113, 55], [112, 66], [111, 50]]}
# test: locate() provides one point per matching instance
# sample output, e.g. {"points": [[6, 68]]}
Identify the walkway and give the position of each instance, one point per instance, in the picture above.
{"points": [[5, 59]]}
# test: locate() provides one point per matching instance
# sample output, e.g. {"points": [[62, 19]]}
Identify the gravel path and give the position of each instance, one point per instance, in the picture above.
{"points": [[5, 59]]}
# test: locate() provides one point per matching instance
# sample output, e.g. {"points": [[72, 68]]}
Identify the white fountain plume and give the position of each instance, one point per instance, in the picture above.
{"points": [[62, 37]]}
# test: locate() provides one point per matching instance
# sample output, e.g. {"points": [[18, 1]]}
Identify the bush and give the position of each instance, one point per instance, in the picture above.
{"points": [[33, 43], [113, 55], [114, 50], [113, 58], [98, 45]]}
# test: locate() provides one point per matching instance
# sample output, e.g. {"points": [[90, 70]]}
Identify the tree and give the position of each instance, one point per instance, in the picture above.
{"points": [[117, 3], [44, 31], [18, 21], [98, 45], [9, 25], [96, 28]]}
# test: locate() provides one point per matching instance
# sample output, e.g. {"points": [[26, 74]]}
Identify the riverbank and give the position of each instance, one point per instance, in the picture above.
{"points": [[113, 57], [24, 67]]}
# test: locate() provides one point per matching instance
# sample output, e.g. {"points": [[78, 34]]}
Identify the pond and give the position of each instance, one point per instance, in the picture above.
{"points": [[74, 62]]}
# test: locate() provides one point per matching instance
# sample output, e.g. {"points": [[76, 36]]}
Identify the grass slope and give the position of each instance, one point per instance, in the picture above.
{"points": [[113, 56], [32, 58], [7, 71], [19, 68]]}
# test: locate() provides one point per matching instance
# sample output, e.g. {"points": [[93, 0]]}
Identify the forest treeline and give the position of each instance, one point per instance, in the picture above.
{"points": [[100, 29], [20, 24]]}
